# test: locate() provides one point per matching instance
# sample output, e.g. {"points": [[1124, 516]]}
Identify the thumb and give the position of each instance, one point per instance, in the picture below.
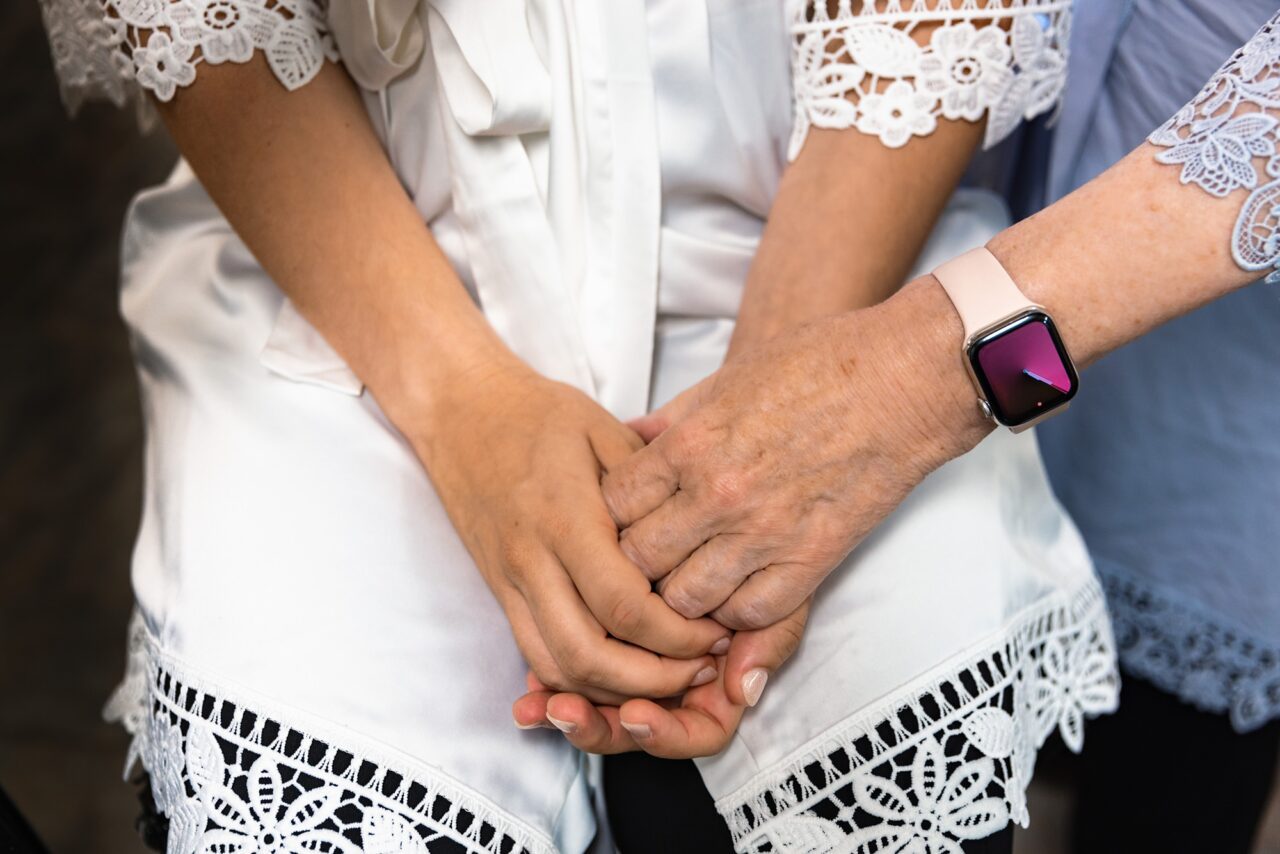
{"points": [[651, 426], [755, 655]]}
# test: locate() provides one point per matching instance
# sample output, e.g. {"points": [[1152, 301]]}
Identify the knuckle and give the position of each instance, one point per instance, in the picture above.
{"points": [[728, 489], [637, 549], [580, 668], [748, 614], [789, 636], [625, 617], [550, 675], [514, 554], [684, 601]]}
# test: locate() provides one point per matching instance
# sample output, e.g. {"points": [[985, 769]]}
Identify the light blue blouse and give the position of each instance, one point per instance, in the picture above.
{"points": [[1170, 458]]}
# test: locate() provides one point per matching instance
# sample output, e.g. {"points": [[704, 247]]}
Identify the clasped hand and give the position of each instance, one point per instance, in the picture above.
{"points": [[753, 487], [755, 484]]}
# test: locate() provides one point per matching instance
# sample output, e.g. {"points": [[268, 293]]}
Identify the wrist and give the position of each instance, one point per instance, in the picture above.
{"points": [[932, 393], [427, 388]]}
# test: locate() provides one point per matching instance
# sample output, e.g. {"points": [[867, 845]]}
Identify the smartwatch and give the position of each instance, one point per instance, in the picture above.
{"points": [[1012, 348]]}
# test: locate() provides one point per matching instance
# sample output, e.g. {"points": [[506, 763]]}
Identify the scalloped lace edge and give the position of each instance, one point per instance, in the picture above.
{"points": [[113, 50], [1198, 656], [344, 787], [841, 62], [948, 757]]}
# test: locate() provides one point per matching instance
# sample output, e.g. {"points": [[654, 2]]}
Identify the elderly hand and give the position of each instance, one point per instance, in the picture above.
{"points": [[765, 476], [517, 461], [700, 725]]}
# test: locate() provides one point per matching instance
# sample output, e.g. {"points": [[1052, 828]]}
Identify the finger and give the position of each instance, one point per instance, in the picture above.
{"points": [[544, 671], [701, 726], [595, 729], [623, 601], [639, 484], [587, 656], [766, 597], [756, 655], [650, 426], [530, 710], [660, 541], [613, 443], [710, 575], [618, 594]]}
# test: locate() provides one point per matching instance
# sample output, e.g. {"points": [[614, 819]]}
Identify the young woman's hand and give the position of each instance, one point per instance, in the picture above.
{"points": [[700, 724], [517, 461]]}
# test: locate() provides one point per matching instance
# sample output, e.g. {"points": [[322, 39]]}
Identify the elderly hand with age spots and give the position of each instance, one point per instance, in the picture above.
{"points": [[756, 483]]}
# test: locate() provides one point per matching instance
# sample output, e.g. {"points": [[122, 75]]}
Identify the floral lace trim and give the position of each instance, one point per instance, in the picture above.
{"points": [[1177, 646], [972, 65], [101, 47], [1219, 133], [231, 776], [947, 762]]}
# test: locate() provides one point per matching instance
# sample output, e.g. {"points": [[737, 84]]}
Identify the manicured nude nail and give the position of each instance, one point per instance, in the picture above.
{"points": [[753, 684], [637, 730], [720, 647], [564, 726], [705, 675], [533, 725]]}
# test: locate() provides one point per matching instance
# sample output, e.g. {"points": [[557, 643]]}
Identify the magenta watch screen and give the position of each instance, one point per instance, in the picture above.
{"points": [[1024, 369]]}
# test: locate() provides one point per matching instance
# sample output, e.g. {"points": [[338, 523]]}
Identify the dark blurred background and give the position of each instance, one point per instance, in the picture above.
{"points": [[70, 460], [70, 445]]}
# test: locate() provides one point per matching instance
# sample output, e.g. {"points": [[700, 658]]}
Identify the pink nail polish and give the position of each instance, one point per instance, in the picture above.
{"points": [[753, 684], [640, 731], [567, 727], [720, 647], [705, 675]]}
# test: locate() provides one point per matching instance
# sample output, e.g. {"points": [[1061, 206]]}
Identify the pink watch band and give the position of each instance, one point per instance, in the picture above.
{"points": [[981, 290]]}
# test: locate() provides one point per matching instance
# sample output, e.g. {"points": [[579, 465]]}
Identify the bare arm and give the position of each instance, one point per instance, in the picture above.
{"points": [[849, 220], [303, 180], [822, 432]]}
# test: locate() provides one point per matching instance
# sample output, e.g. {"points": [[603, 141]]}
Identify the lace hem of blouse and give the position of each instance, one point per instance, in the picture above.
{"points": [[1217, 136], [1176, 645], [102, 48], [947, 760], [232, 776], [1003, 58]]}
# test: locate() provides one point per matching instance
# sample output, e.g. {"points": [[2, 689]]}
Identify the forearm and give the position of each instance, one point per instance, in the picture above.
{"points": [[303, 180], [854, 209], [850, 217], [1127, 252], [1123, 254]]}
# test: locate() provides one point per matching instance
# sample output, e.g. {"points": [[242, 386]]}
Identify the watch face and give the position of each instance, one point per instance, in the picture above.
{"points": [[1023, 369]]}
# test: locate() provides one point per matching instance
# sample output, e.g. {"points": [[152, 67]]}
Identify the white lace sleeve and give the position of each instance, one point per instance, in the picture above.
{"points": [[1222, 137], [109, 48], [856, 64]]}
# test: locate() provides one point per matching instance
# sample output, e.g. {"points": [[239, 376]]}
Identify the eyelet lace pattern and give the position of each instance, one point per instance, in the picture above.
{"points": [[945, 761], [102, 48], [1003, 58], [1218, 135], [231, 776], [1176, 645]]}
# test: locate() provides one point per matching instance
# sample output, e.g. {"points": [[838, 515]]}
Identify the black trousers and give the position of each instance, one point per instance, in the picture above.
{"points": [[16, 836], [659, 806], [1160, 775]]}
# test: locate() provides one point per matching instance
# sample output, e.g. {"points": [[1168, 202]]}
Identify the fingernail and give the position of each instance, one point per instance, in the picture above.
{"points": [[637, 730], [753, 684], [564, 726], [720, 647], [705, 675], [533, 725]]}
